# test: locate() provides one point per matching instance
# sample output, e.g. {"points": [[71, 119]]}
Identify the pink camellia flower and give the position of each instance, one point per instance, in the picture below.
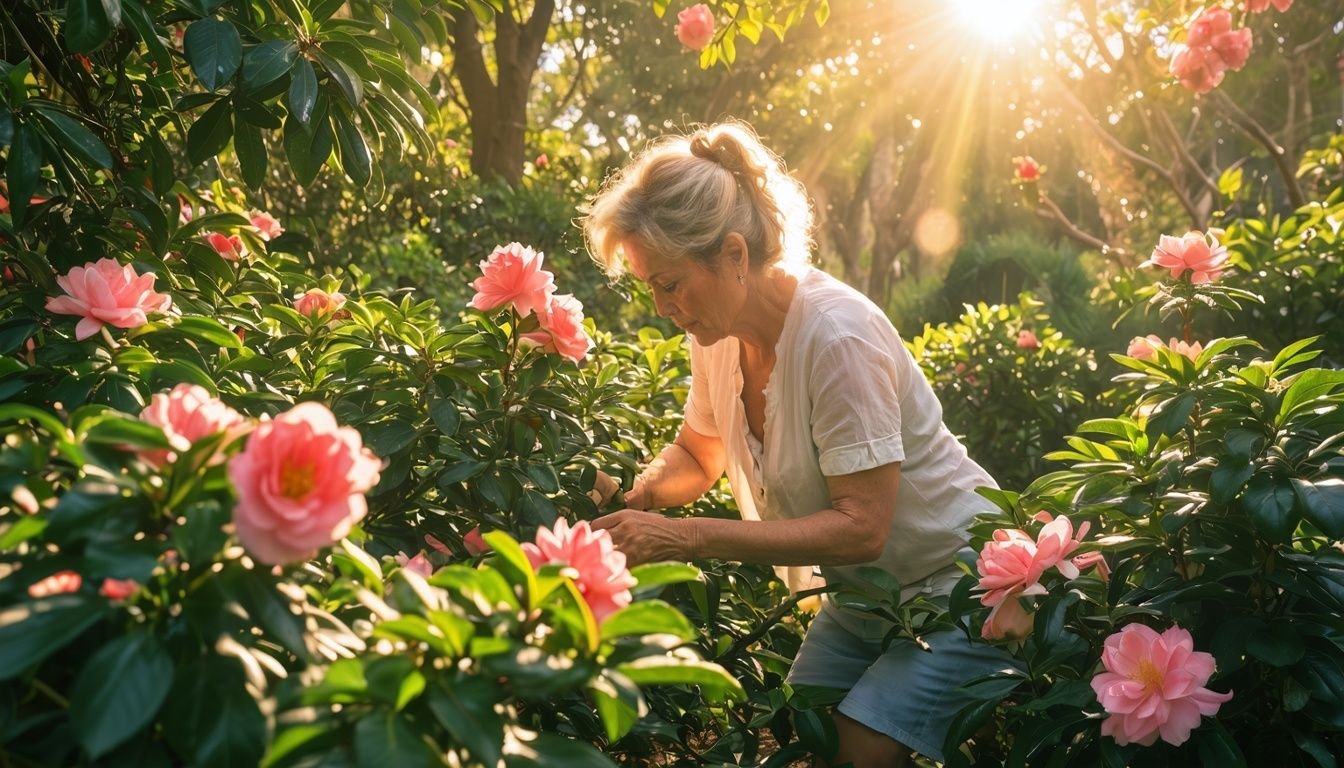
{"points": [[1027, 340], [300, 482], [230, 247], [118, 589], [1008, 620], [1198, 69], [475, 543], [450, 143], [59, 583], [1026, 170], [186, 414], [1192, 350], [513, 274], [418, 564], [1195, 252], [1260, 6], [106, 292], [1054, 544], [1154, 686], [601, 577], [542, 160], [562, 330], [1234, 47], [1208, 26], [1089, 559], [695, 26], [437, 545], [316, 303], [185, 211], [267, 225], [1143, 347]]}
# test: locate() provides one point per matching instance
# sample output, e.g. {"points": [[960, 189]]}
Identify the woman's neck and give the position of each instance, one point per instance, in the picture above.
{"points": [[762, 318]]}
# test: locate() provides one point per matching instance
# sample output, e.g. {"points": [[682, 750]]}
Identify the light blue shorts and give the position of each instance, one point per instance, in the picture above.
{"points": [[907, 693]]}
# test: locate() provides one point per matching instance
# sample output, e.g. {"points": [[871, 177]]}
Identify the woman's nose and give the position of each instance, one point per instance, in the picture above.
{"points": [[661, 305]]}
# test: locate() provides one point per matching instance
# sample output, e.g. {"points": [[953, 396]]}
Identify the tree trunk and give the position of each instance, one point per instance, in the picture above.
{"points": [[498, 110]]}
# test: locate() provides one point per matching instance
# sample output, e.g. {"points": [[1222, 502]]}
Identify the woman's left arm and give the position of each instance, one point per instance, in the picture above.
{"points": [[854, 530]]}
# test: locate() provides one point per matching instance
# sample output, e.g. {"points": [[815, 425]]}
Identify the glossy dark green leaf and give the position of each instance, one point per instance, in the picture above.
{"points": [[307, 152], [647, 617], [1270, 504], [265, 63], [302, 92], [550, 750], [345, 78], [1216, 746], [618, 702], [458, 471], [467, 711], [715, 683], [251, 151], [1277, 644], [1322, 502], [214, 50], [209, 330], [116, 429], [1228, 478], [445, 415], [210, 719], [74, 137], [210, 134], [139, 19], [119, 691], [354, 153], [32, 631], [1171, 416], [23, 169], [89, 23], [384, 738]]}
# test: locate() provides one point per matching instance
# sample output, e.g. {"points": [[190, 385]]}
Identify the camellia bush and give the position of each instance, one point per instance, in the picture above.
{"points": [[1173, 595], [1011, 385]]}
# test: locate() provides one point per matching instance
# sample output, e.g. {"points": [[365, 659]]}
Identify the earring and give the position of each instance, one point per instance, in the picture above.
{"points": [[741, 280]]}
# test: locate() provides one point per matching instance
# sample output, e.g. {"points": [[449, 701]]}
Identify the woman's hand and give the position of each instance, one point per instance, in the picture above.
{"points": [[605, 487], [646, 537]]}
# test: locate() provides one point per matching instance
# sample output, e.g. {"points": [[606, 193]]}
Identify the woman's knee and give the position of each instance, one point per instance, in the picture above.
{"points": [[863, 747]]}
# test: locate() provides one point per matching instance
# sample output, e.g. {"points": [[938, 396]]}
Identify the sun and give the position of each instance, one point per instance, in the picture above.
{"points": [[997, 20]]}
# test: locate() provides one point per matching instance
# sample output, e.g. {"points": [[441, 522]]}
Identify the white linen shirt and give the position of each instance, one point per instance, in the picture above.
{"points": [[845, 395]]}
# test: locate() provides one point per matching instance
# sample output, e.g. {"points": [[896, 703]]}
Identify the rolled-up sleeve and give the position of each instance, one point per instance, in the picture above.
{"points": [[699, 410], [856, 412]]}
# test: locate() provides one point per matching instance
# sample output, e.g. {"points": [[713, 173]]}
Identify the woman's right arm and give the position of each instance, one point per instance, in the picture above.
{"points": [[683, 472]]}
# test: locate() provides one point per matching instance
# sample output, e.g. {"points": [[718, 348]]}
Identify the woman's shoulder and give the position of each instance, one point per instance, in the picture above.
{"points": [[833, 310]]}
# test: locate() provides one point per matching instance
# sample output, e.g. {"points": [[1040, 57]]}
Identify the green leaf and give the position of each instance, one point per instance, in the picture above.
{"points": [[23, 169], [268, 62], [550, 750], [1216, 746], [445, 415], [1322, 503], [210, 719], [1269, 503], [1171, 416], [368, 568], [116, 429], [355, 158], [647, 617], [32, 631], [119, 691], [1229, 183], [1277, 644], [458, 471], [1228, 478], [89, 23], [1306, 389], [618, 702], [214, 50], [345, 78], [251, 151], [210, 134], [657, 575], [209, 330], [513, 565], [716, 684], [75, 138], [384, 738], [302, 92], [467, 712], [301, 149]]}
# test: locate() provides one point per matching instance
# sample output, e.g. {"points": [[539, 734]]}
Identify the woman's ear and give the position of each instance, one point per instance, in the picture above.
{"points": [[735, 253]]}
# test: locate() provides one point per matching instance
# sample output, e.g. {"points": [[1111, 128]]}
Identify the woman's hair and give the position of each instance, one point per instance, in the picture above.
{"points": [[682, 195]]}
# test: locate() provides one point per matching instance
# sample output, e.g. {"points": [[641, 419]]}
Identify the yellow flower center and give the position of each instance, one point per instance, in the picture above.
{"points": [[296, 481], [1150, 676]]}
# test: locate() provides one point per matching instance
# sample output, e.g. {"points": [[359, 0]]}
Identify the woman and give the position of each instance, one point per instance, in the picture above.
{"points": [[803, 393]]}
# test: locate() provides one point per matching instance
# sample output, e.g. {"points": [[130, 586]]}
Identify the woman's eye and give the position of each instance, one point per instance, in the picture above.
{"points": [[669, 287]]}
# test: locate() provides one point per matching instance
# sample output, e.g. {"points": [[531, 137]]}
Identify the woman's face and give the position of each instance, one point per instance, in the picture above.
{"points": [[701, 301]]}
